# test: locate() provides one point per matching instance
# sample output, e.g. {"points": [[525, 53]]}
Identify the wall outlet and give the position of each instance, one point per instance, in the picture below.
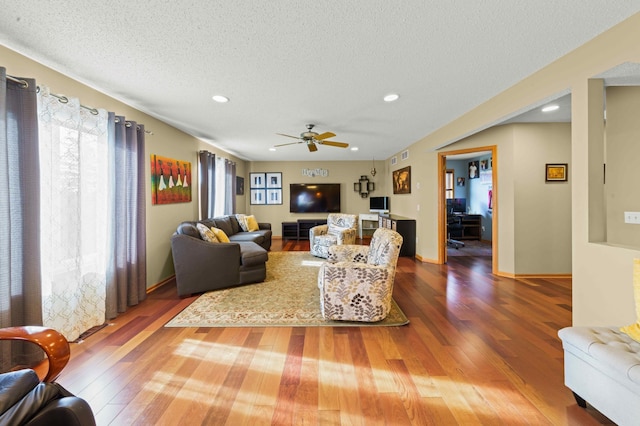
{"points": [[632, 217], [418, 207]]}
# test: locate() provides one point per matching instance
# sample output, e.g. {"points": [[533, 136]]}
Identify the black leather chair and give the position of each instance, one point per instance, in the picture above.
{"points": [[28, 399]]}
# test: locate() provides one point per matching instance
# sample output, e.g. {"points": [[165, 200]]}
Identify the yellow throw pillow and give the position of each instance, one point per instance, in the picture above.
{"points": [[252, 223], [207, 234], [633, 330], [222, 237]]}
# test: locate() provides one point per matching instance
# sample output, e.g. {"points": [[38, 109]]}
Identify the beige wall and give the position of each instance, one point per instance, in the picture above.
{"points": [[342, 172], [166, 141], [542, 210], [622, 188]]}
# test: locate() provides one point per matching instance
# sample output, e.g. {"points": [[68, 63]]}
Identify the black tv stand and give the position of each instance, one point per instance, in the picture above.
{"points": [[299, 230]]}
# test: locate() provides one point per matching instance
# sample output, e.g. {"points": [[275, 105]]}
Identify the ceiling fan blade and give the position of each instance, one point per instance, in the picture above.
{"points": [[290, 143], [289, 136], [334, 143], [312, 147], [325, 135]]}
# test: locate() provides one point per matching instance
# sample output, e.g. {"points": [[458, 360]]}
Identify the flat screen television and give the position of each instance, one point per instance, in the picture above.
{"points": [[314, 198], [456, 205], [378, 204]]}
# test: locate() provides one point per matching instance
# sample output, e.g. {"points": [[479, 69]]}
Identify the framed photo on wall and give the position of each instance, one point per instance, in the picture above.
{"points": [[274, 180], [239, 185], [402, 181], [556, 172], [258, 180], [274, 196], [474, 169], [258, 196]]}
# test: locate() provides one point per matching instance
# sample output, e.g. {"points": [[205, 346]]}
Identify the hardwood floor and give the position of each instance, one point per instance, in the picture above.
{"points": [[479, 349]]}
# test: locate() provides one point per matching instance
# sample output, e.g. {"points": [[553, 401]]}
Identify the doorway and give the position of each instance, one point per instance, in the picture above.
{"points": [[474, 175]]}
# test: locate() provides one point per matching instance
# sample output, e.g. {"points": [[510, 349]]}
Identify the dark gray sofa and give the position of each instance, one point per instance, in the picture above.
{"points": [[202, 266]]}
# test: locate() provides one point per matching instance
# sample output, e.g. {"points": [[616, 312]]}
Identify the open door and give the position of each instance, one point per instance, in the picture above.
{"points": [[445, 192]]}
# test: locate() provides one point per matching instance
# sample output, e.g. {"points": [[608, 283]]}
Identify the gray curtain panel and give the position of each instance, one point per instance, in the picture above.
{"points": [[207, 178], [20, 285], [230, 187], [127, 272]]}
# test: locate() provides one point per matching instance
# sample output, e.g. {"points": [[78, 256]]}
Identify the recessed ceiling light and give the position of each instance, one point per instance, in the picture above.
{"points": [[272, 149], [550, 108], [391, 97], [354, 148], [220, 98]]}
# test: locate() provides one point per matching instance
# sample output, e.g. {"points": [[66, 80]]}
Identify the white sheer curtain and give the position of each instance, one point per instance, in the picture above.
{"points": [[74, 226], [220, 182]]}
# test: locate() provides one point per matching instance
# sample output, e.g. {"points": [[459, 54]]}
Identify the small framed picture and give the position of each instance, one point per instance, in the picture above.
{"points": [[474, 171], [274, 196], [239, 185], [402, 180], [274, 180], [258, 196], [258, 180], [460, 181], [557, 172]]}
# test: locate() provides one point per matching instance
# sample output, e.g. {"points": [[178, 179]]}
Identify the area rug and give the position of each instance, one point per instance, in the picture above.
{"points": [[471, 248], [289, 297]]}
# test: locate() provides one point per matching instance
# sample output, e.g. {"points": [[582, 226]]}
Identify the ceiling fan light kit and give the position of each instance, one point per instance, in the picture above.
{"points": [[312, 139]]}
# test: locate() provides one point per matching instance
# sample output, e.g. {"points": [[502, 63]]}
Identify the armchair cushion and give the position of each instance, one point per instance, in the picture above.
{"points": [[14, 386], [24, 400]]}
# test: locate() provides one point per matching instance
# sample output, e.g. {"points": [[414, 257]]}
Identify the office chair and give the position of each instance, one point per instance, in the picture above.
{"points": [[454, 226]]}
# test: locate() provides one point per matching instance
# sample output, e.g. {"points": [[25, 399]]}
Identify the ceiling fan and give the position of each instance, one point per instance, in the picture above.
{"points": [[312, 138]]}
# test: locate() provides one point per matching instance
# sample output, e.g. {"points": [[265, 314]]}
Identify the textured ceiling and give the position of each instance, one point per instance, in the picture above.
{"points": [[286, 63]]}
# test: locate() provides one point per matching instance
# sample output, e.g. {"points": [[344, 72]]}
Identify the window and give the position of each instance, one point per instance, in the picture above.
{"points": [[449, 179]]}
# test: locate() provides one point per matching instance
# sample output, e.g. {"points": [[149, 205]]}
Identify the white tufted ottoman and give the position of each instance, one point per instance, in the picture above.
{"points": [[602, 367]]}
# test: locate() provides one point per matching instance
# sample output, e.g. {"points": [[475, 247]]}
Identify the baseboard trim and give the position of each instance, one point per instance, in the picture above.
{"points": [[425, 260], [536, 276], [161, 283]]}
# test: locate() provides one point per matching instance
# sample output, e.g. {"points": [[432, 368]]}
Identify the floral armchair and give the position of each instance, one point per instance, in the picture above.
{"points": [[340, 229], [356, 282]]}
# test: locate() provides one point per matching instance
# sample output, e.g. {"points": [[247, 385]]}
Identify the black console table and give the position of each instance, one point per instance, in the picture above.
{"points": [[403, 226], [299, 230]]}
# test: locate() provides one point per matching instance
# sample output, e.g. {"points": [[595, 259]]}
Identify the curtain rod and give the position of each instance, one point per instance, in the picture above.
{"points": [[24, 84]]}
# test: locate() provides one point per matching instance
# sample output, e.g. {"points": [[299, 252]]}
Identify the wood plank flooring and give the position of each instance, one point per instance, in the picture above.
{"points": [[479, 349]]}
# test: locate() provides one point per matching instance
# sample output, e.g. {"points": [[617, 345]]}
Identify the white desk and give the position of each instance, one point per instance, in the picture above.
{"points": [[367, 221]]}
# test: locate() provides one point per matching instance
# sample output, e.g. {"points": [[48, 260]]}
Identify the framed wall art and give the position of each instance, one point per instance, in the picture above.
{"points": [[274, 180], [170, 180], [266, 188], [239, 185], [474, 169], [557, 172], [258, 180], [402, 181], [258, 196]]}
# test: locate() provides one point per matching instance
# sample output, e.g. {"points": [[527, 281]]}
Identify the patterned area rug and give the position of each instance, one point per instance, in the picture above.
{"points": [[289, 297]]}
